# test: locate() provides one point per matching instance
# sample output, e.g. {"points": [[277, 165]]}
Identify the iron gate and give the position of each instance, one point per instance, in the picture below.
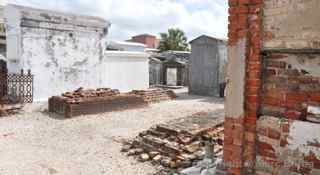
{"points": [[16, 88], [3, 79]]}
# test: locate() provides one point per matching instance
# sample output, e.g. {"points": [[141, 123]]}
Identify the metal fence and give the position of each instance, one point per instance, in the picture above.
{"points": [[16, 88]]}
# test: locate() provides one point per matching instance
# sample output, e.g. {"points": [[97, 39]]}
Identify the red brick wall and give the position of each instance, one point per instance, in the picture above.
{"points": [[287, 91], [278, 88], [245, 23], [149, 41]]}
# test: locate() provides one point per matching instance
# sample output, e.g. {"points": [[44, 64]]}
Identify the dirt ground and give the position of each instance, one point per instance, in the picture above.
{"points": [[36, 143]]}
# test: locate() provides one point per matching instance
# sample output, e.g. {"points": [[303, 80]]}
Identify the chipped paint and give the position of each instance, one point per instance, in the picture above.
{"points": [[66, 51], [300, 136], [235, 80], [307, 63]]}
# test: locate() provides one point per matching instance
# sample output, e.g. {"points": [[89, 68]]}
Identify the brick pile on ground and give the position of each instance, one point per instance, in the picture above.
{"points": [[93, 101], [155, 95], [6, 110], [178, 144], [82, 94]]}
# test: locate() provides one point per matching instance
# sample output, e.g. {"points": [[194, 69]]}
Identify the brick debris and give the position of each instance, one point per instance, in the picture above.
{"points": [[93, 101], [179, 144]]}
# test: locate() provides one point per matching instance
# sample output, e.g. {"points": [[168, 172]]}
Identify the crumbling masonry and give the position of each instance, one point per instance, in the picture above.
{"points": [[272, 106], [93, 101]]}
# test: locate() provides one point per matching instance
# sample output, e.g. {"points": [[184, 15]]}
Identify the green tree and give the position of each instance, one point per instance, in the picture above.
{"points": [[175, 39]]}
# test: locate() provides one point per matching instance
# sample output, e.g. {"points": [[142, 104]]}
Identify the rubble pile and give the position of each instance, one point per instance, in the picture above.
{"points": [[90, 93], [155, 95], [6, 110], [90, 101], [181, 143]]}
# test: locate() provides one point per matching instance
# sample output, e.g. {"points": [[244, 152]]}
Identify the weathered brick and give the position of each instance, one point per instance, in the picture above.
{"points": [[244, 2], [233, 2], [265, 146], [285, 127], [235, 171], [273, 134], [250, 136], [262, 131], [243, 10], [294, 115], [283, 142]]}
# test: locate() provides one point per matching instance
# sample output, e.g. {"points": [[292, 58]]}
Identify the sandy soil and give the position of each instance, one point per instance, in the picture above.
{"points": [[36, 143]]}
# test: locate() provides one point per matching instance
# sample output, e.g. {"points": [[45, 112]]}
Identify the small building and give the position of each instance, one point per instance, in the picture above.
{"points": [[207, 64], [126, 46], [125, 70], [174, 68], [67, 51], [175, 73], [150, 41]]}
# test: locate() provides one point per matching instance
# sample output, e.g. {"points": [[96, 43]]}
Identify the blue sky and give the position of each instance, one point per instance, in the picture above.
{"points": [[131, 17]]}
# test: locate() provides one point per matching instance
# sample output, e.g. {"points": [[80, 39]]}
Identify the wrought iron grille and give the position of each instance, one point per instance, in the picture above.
{"points": [[3, 79], [18, 88]]}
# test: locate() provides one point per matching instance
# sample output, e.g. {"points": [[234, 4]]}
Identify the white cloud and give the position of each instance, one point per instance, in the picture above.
{"points": [[3, 2], [130, 17]]}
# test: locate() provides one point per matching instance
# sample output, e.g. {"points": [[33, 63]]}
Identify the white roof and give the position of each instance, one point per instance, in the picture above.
{"points": [[152, 50], [126, 54], [126, 43]]}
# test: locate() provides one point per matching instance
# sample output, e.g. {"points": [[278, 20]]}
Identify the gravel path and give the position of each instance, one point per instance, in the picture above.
{"points": [[36, 143]]}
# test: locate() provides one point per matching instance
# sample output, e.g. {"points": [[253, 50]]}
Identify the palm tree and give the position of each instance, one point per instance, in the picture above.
{"points": [[175, 39]]}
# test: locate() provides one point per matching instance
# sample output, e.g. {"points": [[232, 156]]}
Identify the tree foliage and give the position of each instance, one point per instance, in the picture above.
{"points": [[175, 39]]}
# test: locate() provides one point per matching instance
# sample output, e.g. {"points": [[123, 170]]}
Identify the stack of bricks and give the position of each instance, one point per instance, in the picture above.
{"points": [[94, 105], [81, 94], [82, 102], [245, 23], [155, 95]]}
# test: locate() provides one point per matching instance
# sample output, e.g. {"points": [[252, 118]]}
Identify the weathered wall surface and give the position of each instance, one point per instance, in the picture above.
{"points": [[270, 131], [223, 60], [291, 24], [65, 52], [290, 83], [287, 147], [243, 84], [289, 143], [207, 62], [61, 61]]}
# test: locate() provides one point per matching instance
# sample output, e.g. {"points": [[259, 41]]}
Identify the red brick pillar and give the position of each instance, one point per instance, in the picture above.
{"points": [[244, 81]]}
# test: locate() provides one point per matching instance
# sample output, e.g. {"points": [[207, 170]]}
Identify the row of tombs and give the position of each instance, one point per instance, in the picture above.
{"points": [[66, 51], [272, 111]]}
